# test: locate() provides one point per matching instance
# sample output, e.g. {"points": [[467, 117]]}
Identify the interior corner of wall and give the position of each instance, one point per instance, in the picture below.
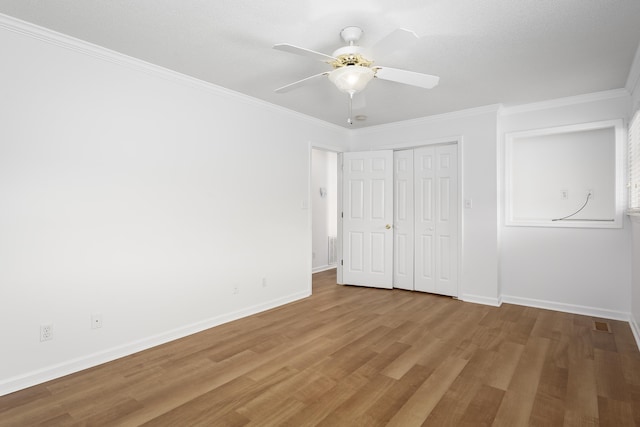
{"points": [[635, 328]]}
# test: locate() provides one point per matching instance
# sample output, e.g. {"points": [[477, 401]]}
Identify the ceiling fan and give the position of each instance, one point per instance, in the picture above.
{"points": [[352, 70]]}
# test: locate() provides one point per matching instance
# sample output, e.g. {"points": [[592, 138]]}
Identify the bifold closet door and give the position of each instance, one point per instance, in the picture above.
{"points": [[403, 230], [436, 219]]}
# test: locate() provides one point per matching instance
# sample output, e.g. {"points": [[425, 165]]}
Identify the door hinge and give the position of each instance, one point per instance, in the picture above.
{"points": [[341, 214], [341, 262]]}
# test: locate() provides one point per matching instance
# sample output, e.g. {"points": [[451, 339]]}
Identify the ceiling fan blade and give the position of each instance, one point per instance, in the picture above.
{"points": [[299, 83], [304, 52], [399, 39], [407, 77]]}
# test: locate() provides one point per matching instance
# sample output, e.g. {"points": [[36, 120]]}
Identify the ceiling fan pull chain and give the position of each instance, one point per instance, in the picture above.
{"points": [[350, 119]]}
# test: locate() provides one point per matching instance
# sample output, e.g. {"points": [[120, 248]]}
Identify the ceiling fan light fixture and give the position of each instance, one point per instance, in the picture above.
{"points": [[352, 78]]}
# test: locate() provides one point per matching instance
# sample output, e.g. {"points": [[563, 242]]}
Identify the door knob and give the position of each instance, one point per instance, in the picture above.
{"points": [[388, 226]]}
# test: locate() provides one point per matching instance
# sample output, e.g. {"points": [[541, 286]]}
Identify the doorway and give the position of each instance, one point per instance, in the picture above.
{"points": [[324, 200]]}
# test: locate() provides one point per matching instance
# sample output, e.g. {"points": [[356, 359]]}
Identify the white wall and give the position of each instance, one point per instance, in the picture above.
{"points": [[146, 196], [142, 195], [476, 132], [323, 175], [542, 167], [580, 270]]}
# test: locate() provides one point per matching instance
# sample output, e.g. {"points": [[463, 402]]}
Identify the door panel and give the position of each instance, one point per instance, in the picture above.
{"points": [[447, 221], [403, 214], [436, 268], [425, 224], [426, 260], [368, 210], [444, 256], [356, 251], [378, 208], [378, 242]]}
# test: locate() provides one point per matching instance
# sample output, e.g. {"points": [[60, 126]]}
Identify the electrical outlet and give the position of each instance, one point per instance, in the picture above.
{"points": [[264, 282], [46, 332], [236, 289], [96, 321], [564, 194]]}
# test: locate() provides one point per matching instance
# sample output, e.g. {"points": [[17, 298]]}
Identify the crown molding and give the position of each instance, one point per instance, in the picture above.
{"points": [[634, 73], [563, 102], [89, 49]]}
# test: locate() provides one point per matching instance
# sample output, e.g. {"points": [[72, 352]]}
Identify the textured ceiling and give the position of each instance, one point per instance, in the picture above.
{"points": [[485, 52]]}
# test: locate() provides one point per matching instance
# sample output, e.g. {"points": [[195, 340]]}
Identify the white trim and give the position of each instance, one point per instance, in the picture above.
{"points": [[98, 52], [460, 154], [323, 268], [339, 210], [634, 73], [422, 143], [563, 102], [327, 147], [635, 328], [620, 188], [39, 376], [480, 299], [307, 198], [567, 308]]}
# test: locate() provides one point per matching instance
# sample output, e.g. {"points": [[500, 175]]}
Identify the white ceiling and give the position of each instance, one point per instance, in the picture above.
{"points": [[485, 51]]}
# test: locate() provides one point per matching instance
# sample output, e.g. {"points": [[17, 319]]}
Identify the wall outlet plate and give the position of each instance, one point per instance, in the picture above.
{"points": [[46, 332], [96, 321]]}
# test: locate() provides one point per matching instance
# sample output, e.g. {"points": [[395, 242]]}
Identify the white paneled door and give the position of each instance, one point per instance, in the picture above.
{"points": [[436, 219], [403, 213], [368, 219]]}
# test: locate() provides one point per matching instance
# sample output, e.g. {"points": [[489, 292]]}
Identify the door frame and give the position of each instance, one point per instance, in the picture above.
{"points": [[458, 140]]}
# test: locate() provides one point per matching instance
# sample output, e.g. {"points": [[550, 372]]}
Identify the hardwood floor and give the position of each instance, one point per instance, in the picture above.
{"points": [[350, 356]]}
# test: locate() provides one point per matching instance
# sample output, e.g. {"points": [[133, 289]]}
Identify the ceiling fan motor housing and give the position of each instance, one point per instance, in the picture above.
{"points": [[350, 55]]}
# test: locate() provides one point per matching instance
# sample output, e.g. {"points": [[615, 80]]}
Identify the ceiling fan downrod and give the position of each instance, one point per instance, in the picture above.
{"points": [[350, 119]]}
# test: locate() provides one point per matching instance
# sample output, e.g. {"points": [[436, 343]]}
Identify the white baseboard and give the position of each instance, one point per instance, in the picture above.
{"points": [[479, 299], [567, 308], [322, 268], [39, 376], [635, 328]]}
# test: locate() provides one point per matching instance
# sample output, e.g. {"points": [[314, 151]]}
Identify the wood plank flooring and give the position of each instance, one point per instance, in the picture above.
{"points": [[350, 356]]}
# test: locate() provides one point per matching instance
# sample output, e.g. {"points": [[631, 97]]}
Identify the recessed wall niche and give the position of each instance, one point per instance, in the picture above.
{"points": [[568, 176]]}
